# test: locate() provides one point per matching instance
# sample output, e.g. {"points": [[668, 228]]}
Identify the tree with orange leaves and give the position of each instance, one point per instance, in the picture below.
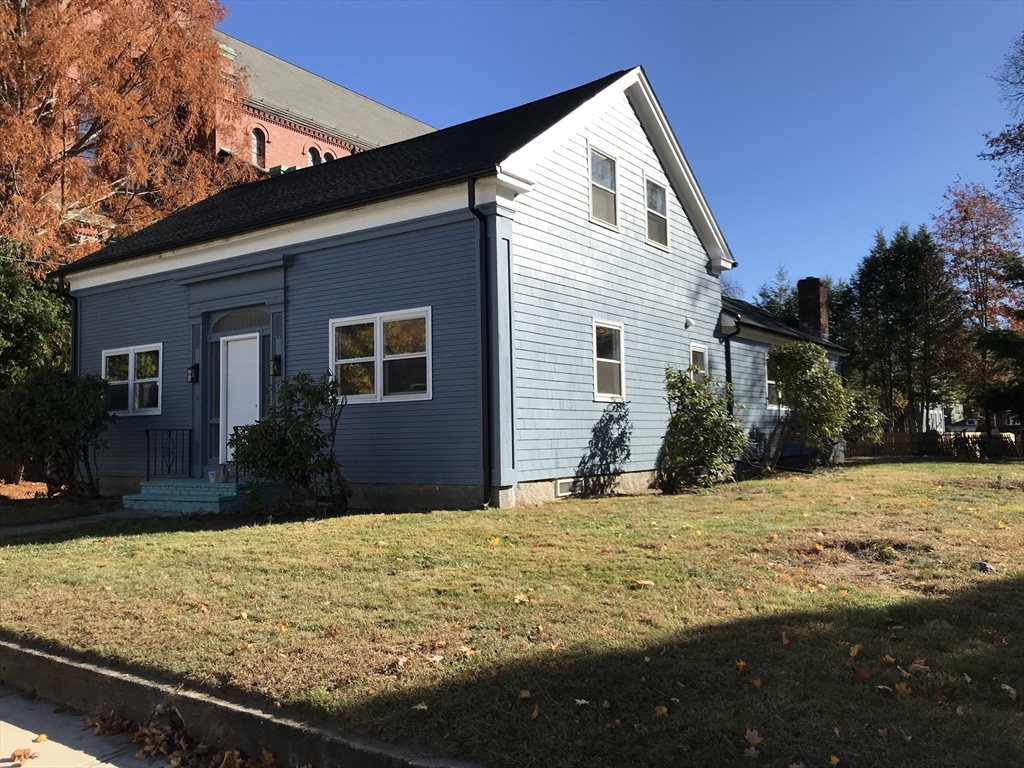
{"points": [[979, 236], [108, 109]]}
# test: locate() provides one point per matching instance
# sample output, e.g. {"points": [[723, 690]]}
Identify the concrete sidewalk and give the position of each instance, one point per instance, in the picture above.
{"points": [[69, 743]]}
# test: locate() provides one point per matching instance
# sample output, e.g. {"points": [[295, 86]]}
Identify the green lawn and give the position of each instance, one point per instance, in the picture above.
{"points": [[835, 614]]}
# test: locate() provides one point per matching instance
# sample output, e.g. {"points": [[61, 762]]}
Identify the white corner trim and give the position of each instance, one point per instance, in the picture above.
{"points": [[394, 211]]}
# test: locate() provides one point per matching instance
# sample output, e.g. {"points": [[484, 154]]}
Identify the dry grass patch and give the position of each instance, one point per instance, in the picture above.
{"points": [[590, 633]]}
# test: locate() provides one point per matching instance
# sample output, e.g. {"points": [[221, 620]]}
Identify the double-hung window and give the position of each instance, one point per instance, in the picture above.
{"points": [[603, 203], [776, 398], [699, 360], [657, 214], [609, 362], [383, 357], [133, 377]]}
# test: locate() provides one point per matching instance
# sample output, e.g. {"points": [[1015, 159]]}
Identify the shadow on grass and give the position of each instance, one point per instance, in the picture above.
{"points": [[805, 697], [142, 525], [855, 461]]}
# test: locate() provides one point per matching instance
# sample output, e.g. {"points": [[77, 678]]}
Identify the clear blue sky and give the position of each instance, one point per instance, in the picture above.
{"points": [[809, 125]]}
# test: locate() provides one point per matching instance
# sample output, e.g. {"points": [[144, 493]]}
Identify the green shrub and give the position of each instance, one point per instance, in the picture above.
{"points": [[51, 412], [702, 441], [291, 445], [818, 405], [864, 419]]}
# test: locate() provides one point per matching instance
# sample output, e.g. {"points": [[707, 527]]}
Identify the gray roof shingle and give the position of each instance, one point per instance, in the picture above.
{"points": [[460, 152], [751, 314]]}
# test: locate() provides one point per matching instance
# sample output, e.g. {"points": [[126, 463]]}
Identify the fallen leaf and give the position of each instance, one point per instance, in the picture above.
{"points": [[606, 549], [371, 691], [435, 658], [241, 646], [422, 706], [833, 760], [889, 659], [756, 682], [495, 542], [640, 583], [605, 704], [752, 738], [660, 711], [739, 590], [785, 640], [21, 756], [919, 668], [664, 547], [843, 592], [335, 632], [40, 739], [282, 628], [854, 650], [883, 732], [521, 598], [1008, 691], [581, 702], [231, 760], [524, 694], [742, 667], [536, 712], [902, 689], [750, 752], [267, 756], [468, 651]]}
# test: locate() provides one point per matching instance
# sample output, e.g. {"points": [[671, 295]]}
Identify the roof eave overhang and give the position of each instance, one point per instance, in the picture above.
{"points": [[347, 203]]}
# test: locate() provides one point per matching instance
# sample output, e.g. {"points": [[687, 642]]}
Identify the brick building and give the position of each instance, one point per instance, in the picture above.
{"points": [[294, 118]]}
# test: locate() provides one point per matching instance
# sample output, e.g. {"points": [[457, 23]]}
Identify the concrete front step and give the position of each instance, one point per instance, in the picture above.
{"points": [[193, 496], [182, 504]]}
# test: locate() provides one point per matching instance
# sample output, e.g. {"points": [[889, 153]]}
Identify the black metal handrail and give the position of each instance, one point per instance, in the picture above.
{"points": [[168, 453]]}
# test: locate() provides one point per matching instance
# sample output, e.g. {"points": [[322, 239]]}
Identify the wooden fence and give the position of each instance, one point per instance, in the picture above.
{"points": [[953, 444]]}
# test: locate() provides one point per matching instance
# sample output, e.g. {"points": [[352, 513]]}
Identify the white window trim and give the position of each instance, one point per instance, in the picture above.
{"points": [[777, 405], [600, 397], [590, 188], [378, 321], [131, 352], [668, 229], [706, 370]]}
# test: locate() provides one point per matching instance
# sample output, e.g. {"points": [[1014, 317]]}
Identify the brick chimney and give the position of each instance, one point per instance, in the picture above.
{"points": [[812, 306]]}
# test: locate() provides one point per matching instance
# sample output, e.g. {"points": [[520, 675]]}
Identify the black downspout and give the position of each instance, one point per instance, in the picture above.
{"points": [[65, 292], [728, 357], [485, 347]]}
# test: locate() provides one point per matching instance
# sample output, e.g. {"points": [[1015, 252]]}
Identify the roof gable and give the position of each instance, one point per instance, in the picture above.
{"points": [[647, 108]]}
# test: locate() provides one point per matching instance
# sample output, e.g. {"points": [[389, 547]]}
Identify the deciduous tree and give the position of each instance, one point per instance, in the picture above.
{"points": [[107, 109], [1006, 149]]}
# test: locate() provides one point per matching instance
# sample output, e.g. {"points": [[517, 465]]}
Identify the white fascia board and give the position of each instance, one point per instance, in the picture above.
{"points": [[647, 108], [394, 211]]}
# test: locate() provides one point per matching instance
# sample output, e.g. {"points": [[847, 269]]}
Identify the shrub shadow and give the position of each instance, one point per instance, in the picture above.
{"points": [[607, 454]]}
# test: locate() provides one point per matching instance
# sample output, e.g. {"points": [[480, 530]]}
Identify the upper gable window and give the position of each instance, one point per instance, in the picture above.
{"points": [[313, 156], [603, 204], [699, 361], [657, 214], [259, 148]]}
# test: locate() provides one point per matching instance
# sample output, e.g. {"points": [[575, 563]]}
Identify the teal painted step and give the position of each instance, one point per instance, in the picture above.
{"points": [[197, 496]]}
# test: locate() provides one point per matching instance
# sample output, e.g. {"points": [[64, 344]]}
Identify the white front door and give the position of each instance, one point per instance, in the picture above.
{"points": [[239, 386]]}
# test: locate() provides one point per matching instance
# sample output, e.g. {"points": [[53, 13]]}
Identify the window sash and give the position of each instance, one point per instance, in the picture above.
{"points": [[609, 372], [603, 196], [134, 390], [389, 368]]}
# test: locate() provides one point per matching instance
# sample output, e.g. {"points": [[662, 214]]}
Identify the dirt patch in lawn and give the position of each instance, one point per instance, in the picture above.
{"points": [[22, 490], [987, 484]]}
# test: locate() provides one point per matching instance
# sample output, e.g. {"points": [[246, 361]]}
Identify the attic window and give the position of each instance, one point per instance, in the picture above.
{"points": [[313, 155], [602, 188], [259, 148], [328, 157], [657, 214]]}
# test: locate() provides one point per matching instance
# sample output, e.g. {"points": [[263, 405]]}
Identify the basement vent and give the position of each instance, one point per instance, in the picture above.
{"points": [[564, 487]]}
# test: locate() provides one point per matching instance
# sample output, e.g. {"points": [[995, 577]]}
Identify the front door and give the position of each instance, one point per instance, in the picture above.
{"points": [[239, 386]]}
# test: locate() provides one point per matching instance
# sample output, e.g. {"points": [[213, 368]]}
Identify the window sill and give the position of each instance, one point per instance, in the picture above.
{"points": [[659, 246], [609, 399], [605, 225], [366, 399]]}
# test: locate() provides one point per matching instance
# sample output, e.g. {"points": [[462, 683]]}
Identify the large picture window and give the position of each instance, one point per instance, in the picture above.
{"points": [[609, 366], [383, 357], [133, 377], [603, 204]]}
